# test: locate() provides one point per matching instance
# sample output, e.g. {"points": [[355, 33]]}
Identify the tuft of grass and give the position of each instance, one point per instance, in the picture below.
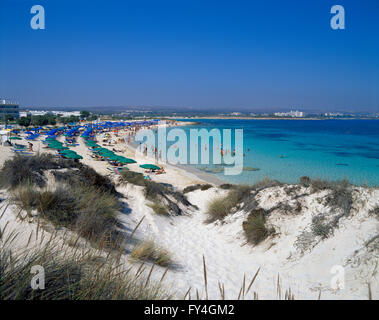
{"points": [[89, 211], [21, 169], [86, 176], [375, 212], [149, 251], [255, 228], [73, 277], [159, 209], [320, 227], [226, 186], [202, 187], [25, 197], [133, 178], [219, 208], [265, 183]]}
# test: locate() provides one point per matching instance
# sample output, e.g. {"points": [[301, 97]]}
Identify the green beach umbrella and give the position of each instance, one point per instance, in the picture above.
{"points": [[107, 154], [14, 138], [99, 149], [67, 151], [125, 160], [112, 157], [58, 147], [50, 139], [72, 156], [106, 151], [150, 166], [56, 142]]}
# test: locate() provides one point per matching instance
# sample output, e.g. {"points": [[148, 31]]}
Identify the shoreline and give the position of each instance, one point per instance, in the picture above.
{"points": [[265, 118]]}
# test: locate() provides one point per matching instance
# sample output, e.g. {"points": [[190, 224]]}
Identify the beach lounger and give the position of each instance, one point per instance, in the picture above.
{"points": [[23, 152]]}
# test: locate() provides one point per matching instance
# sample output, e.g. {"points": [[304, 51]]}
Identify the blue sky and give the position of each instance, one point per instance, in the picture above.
{"points": [[236, 55]]}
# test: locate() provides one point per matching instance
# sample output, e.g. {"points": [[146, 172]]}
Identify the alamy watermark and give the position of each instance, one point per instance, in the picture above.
{"points": [[38, 19], [337, 282], [192, 149], [338, 20], [38, 281]]}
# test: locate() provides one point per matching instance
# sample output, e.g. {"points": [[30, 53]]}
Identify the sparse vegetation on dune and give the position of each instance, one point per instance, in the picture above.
{"points": [[375, 212], [87, 177], [149, 251], [88, 211], [159, 209], [21, 169], [158, 192], [219, 208], [202, 187], [255, 228], [81, 200], [133, 178], [73, 276]]}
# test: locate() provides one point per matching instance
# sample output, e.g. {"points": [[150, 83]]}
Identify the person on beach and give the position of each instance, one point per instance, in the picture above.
{"points": [[30, 146]]}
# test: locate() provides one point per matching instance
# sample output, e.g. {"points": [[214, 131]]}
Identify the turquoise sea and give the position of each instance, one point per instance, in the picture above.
{"points": [[289, 149]]}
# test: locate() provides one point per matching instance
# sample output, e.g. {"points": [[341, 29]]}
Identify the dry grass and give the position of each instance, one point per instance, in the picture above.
{"points": [[159, 209], [133, 178], [219, 208], [202, 187], [149, 251], [255, 228], [73, 275], [21, 169], [88, 211]]}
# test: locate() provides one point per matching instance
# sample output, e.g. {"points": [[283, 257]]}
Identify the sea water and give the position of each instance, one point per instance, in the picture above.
{"points": [[286, 150]]}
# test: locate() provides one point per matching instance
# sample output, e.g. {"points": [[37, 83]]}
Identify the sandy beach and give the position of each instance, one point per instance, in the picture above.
{"points": [[229, 258]]}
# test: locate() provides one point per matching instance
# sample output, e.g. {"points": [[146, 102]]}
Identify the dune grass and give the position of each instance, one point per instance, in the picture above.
{"points": [[202, 187], [219, 208], [159, 209], [255, 228], [86, 210], [21, 169], [149, 251], [75, 275]]}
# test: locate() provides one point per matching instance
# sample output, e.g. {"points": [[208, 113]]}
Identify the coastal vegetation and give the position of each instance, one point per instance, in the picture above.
{"points": [[201, 187], [255, 228], [159, 208], [219, 208], [71, 274], [149, 251], [172, 201]]}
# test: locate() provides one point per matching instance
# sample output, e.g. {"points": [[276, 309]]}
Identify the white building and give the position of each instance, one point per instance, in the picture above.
{"points": [[293, 114], [57, 113]]}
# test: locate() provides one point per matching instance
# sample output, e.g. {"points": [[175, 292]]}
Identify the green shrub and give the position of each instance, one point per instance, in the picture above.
{"points": [[89, 211], [320, 227], [21, 169], [88, 177], [25, 197], [375, 212], [226, 186], [219, 208], [159, 208], [255, 228], [133, 178], [202, 187]]}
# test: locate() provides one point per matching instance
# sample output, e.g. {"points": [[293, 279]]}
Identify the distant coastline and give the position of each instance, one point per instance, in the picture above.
{"points": [[264, 118]]}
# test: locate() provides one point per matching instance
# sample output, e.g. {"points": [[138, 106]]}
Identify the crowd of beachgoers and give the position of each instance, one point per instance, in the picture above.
{"points": [[107, 146]]}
